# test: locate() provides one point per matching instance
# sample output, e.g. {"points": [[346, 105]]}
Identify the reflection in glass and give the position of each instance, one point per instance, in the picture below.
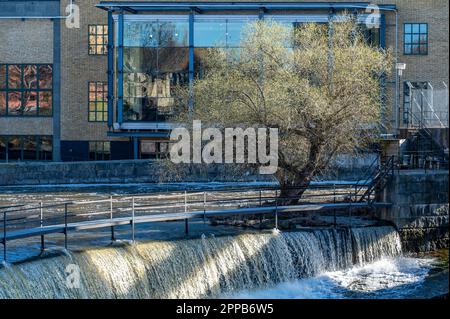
{"points": [[22, 87], [173, 34], [153, 150], [26, 148], [3, 144], [45, 103], [140, 34], [2, 76], [156, 34], [98, 39], [29, 77], [2, 103], [30, 103], [234, 32], [15, 103], [14, 77], [150, 76], [201, 54], [98, 101], [29, 148], [45, 77], [99, 151], [14, 148], [45, 148], [210, 33], [219, 32]]}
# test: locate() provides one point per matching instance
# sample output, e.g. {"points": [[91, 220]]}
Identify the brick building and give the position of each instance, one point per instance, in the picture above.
{"points": [[55, 78]]}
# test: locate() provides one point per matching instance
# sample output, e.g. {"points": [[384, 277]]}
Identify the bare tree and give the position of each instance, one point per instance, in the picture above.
{"points": [[318, 84]]}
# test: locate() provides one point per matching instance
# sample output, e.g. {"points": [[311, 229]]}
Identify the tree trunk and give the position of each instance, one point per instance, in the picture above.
{"points": [[292, 190]]}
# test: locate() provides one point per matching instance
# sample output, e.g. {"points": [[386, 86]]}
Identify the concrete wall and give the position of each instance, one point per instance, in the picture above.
{"points": [[420, 208], [144, 171]]}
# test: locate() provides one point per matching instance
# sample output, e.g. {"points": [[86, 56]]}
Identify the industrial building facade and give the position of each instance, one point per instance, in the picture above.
{"points": [[104, 90]]}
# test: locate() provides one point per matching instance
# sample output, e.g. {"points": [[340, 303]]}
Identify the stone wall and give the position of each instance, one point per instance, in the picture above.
{"points": [[127, 171], [420, 208]]}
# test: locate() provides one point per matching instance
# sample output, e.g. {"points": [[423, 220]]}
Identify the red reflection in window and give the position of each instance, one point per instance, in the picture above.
{"points": [[45, 103], [45, 77], [30, 77], [14, 103], [14, 77], [30, 103]]}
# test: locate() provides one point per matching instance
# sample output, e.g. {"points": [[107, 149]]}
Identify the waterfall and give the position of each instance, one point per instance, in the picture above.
{"points": [[198, 268]]}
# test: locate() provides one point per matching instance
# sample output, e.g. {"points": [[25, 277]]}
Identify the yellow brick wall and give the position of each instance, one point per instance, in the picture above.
{"points": [[29, 41]]}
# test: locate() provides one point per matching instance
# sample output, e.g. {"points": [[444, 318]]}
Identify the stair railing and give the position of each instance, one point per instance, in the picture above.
{"points": [[379, 177]]}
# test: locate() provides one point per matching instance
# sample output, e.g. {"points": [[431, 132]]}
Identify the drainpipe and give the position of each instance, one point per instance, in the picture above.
{"points": [[397, 81], [41, 17]]}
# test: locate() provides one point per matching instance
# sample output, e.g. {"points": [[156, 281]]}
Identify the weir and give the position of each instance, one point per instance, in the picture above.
{"points": [[206, 267]]}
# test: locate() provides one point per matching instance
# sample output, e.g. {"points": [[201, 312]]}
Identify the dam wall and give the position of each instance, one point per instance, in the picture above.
{"points": [[420, 209]]}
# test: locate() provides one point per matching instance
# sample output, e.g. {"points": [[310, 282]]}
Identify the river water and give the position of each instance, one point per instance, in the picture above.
{"points": [[221, 262], [387, 278]]}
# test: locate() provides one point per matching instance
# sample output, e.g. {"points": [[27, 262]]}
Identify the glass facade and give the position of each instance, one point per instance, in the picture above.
{"points": [[155, 62], [25, 148], [163, 52], [26, 90]]}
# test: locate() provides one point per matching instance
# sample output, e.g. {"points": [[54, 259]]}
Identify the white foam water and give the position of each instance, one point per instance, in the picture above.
{"points": [[206, 267], [388, 278]]}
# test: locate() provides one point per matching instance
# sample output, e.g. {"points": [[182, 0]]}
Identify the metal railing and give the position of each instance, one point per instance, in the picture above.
{"points": [[379, 178], [41, 216]]}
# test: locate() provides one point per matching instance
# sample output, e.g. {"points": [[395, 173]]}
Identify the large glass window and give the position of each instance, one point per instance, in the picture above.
{"points": [[416, 39], [98, 101], [156, 55], [226, 32], [217, 32], [26, 90], [156, 61], [26, 148], [98, 39]]}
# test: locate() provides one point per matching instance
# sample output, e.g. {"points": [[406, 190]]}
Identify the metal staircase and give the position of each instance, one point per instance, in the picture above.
{"points": [[376, 179]]}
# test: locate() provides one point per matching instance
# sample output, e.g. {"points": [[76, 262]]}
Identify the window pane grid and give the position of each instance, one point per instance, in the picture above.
{"points": [[416, 39], [98, 102], [98, 39], [99, 150], [22, 85], [26, 148]]}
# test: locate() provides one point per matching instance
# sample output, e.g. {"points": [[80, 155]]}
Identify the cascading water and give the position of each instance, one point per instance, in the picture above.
{"points": [[207, 267]]}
